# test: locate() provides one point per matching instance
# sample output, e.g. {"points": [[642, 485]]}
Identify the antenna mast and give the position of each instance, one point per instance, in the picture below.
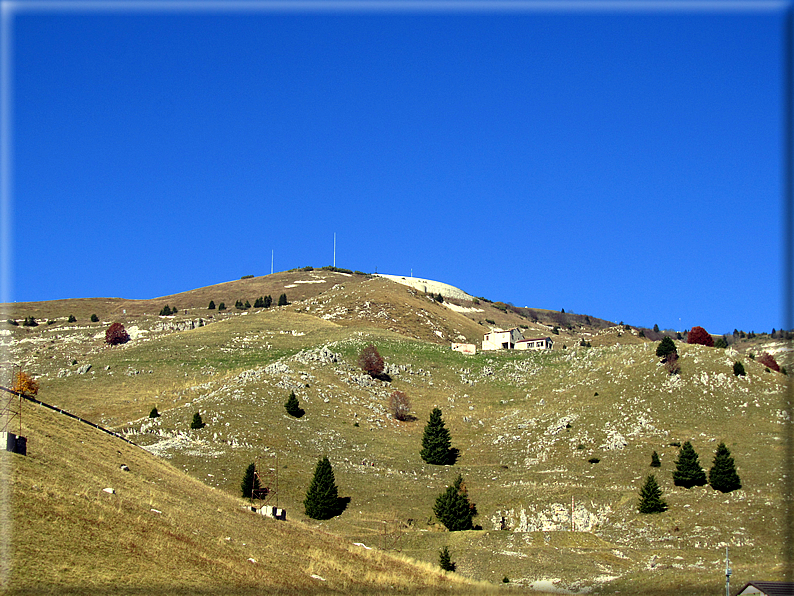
{"points": [[271, 261], [334, 249]]}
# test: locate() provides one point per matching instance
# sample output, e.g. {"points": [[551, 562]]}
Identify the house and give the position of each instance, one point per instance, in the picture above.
{"points": [[767, 588], [501, 340], [538, 343]]}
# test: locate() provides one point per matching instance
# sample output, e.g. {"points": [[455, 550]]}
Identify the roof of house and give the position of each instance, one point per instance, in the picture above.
{"points": [[534, 339], [770, 588]]}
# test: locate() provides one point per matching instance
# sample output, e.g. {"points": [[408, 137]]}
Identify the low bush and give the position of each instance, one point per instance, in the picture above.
{"points": [[72, 319], [490, 321], [94, 319], [154, 413], [738, 369], [30, 322], [247, 277], [593, 460]]}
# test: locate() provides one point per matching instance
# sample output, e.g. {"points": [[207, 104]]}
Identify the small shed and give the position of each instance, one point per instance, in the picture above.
{"points": [[464, 348], [764, 588]]}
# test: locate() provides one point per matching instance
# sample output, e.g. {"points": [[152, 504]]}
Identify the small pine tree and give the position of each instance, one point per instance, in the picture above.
{"points": [[656, 328], [665, 348], [250, 484], [259, 302], [212, 305], [268, 301], [738, 369], [651, 497], [197, 421], [453, 508], [722, 475], [436, 442], [688, 472], [322, 498], [444, 560], [94, 319], [154, 413], [72, 319], [282, 300], [655, 461], [221, 306], [293, 407], [239, 305], [165, 311]]}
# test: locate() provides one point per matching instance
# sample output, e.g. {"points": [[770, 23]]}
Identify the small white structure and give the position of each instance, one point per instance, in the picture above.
{"points": [[501, 340], [274, 512], [538, 343], [465, 348]]}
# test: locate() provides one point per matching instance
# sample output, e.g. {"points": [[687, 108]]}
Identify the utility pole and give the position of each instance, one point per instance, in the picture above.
{"points": [[334, 249], [727, 574], [271, 261]]}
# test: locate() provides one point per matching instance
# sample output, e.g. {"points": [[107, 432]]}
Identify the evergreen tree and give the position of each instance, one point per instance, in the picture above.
{"points": [[212, 305], [453, 508], [165, 311], [268, 302], [259, 302], [154, 413], [293, 407], [655, 461], [282, 300], [656, 328], [722, 475], [436, 441], [94, 319], [665, 348], [738, 369], [247, 305], [322, 499], [72, 319], [197, 421], [688, 472], [444, 560], [250, 483], [221, 306], [651, 497]]}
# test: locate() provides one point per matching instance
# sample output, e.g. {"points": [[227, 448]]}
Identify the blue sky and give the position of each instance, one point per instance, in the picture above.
{"points": [[621, 163]]}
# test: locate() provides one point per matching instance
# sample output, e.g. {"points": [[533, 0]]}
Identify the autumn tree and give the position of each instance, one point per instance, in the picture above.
{"points": [[25, 384], [769, 361], [400, 405], [371, 361], [453, 509], [116, 334], [698, 335]]}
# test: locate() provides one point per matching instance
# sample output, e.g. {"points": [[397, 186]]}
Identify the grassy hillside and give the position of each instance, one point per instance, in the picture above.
{"points": [[527, 425]]}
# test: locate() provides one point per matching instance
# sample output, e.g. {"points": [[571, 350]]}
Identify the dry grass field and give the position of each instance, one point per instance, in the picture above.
{"points": [[527, 426]]}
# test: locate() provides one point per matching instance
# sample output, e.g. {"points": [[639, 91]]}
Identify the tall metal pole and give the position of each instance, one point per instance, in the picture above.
{"points": [[727, 575], [271, 261], [334, 249]]}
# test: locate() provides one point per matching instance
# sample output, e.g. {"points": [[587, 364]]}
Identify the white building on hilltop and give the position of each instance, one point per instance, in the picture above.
{"points": [[501, 340]]}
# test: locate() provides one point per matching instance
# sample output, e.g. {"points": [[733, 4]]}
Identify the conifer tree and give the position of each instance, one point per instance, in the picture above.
{"points": [[738, 369], [197, 421], [212, 305], [293, 407], [688, 472], [453, 508], [322, 498], [651, 497], [722, 475], [444, 560], [154, 413], [250, 484], [665, 348], [655, 461], [247, 305], [282, 300], [436, 442]]}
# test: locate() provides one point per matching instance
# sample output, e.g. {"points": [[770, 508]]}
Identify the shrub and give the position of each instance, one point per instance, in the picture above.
{"points": [[322, 497], [250, 484], [399, 405], [12, 322], [30, 322], [197, 422], [698, 335], [370, 361], [722, 475], [239, 305], [593, 460], [247, 277], [282, 300], [221, 306], [247, 305], [651, 497], [665, 348], [556, 330], [51, 321], [212, 305], [72, 319], [154, 413], [444, 560], [165, 311], [490, 321], [768, 360], [453, 509], [505, 580], [671, 364], [293, 407], [688, 472], [436, 442], [116, 334], [94, 319], [25, 384], [721, 343], [738, 369], [655, 461]]}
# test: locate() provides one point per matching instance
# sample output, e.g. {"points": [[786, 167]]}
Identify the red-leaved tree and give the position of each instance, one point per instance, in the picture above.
{"points": [[698, 335], [400, 405], [370, 361], [769, 361], [116, 334]]}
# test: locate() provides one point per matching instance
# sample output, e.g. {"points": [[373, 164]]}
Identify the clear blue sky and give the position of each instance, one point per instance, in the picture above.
{"points": [[622, 163]]}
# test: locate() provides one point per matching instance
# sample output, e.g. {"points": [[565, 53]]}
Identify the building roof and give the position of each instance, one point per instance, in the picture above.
{"points": [[534, 339], [768, 588]]}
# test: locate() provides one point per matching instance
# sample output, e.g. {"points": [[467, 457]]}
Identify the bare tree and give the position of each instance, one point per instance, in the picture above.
{"points": [[400, 405], [370, 361]]}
